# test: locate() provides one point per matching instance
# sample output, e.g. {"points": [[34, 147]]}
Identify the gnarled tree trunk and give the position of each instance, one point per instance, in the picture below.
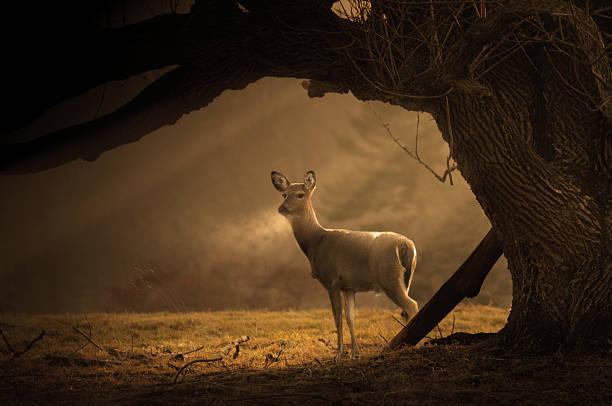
{"points": [[538, 160]]}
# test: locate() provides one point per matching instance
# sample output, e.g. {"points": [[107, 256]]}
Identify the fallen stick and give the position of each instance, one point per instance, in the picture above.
{"points": [[189, 352], [91, 341], [234, 344], [27, 348], [8, 345]]}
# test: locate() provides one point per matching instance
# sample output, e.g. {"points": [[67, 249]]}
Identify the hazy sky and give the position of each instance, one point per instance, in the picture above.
{"points": [[195, 203]]}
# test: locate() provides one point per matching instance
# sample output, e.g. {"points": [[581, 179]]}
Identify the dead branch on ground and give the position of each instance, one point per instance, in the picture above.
{"points": [[224, 352], [271, 358], [17, 354], [111, 352], [192, 351]]}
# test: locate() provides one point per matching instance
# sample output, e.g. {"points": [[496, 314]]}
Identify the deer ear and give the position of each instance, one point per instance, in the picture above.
{"points": [[310, 180], [280, 182]]}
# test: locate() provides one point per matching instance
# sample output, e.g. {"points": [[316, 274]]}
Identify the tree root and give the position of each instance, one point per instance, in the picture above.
{"points": [[461, 338]]}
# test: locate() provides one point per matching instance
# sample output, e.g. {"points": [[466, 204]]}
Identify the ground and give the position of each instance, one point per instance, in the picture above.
{"points": [[287, 360]]}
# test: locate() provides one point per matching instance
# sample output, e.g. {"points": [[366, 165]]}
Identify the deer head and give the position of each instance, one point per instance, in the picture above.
{"points": [[296, 195]]}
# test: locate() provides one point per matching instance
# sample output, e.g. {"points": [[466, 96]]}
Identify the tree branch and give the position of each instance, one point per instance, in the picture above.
{"points": [[465, 282], [108, 55], [17, 354], [158, 105], [224, 352], [240, 49], [415, 154], [387, 55]]}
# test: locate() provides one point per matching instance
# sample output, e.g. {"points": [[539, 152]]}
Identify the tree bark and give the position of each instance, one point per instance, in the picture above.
{"points": [[551, 208], [465, 282]]}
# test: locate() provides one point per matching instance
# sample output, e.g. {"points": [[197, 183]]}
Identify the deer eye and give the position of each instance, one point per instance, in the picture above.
{"points": [[300, 195]]}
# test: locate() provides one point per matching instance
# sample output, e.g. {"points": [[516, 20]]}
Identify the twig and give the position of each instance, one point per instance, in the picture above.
{"points": [[270, 359], [451, 145], [17, 354], [414, 154], [7, 343], [90, 340], [87, 343], [395, 318], [171, 365], [192, 351], [40, 336], [439, 331], [234, 344], [219, 358]]}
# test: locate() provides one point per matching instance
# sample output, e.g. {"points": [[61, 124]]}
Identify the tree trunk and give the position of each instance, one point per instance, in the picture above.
{"points": [[538, 162]]}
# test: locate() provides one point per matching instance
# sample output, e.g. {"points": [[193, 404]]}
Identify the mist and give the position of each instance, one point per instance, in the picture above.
{"points": [[186, 218]]}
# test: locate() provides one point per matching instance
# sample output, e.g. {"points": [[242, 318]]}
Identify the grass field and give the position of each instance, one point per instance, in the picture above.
{"points": [[133, 359]]}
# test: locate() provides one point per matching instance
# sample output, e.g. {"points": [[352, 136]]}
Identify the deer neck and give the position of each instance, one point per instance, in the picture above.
{"points": [[306, 229]]}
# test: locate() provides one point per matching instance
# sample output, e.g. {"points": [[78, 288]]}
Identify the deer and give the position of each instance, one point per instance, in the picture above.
{"points": [[346, 262]]}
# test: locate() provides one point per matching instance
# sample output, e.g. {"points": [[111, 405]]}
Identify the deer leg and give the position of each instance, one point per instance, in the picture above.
{"points": [[336, 303], [349, 307], [400, 297], [410, 308]]}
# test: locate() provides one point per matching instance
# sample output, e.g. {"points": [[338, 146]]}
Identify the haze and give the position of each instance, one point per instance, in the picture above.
{"points": [[194, 203]]}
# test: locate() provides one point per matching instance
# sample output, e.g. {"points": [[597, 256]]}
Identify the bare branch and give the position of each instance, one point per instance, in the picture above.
{"points": [[195, 350], [8, 345], [90, 340], [451, 145], [415, 154], [17, 354]]}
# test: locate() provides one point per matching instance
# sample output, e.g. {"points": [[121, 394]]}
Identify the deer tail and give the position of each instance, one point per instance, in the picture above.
{"points": [[408, 257]]}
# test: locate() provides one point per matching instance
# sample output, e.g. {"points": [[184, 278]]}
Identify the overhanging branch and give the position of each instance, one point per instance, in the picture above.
{"points": [[247, 49], [108, 55], [176, 93], [411, 55]]}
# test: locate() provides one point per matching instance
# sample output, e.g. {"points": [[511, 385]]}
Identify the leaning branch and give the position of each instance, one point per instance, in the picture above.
{"points": [[466, 282]]}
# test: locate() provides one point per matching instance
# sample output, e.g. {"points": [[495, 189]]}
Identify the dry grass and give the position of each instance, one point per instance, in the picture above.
{"points": [[287, 360]]}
